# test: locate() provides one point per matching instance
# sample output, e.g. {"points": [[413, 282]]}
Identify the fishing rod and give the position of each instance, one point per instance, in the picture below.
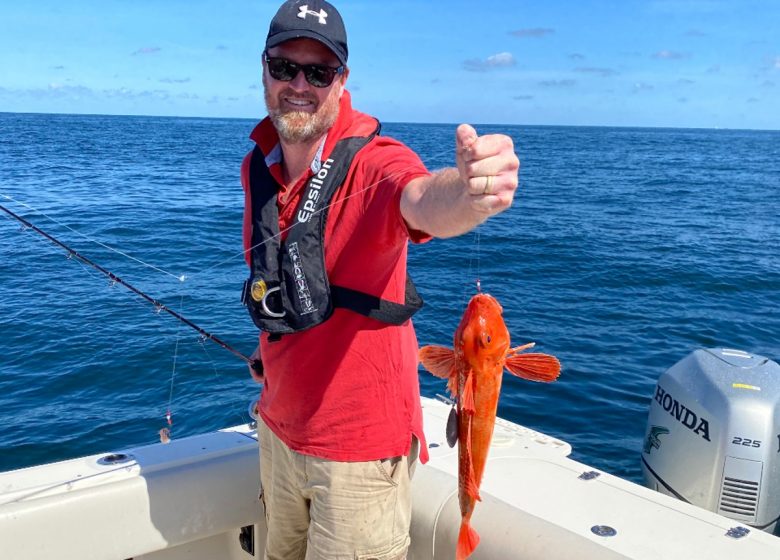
{"points": [[253, 363]]}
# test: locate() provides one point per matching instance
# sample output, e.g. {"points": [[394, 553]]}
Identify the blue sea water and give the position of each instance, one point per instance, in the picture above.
{"points": [[625, 250]]}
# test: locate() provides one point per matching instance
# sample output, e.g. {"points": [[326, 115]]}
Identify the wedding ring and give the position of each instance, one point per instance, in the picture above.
{"points": [[488, 184]]}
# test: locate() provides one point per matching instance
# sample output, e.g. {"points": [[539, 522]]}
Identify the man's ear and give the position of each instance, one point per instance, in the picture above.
{"points": [[344, 77]]}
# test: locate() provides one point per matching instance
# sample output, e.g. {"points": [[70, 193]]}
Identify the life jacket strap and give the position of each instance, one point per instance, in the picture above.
{"points": [[378, 308]]}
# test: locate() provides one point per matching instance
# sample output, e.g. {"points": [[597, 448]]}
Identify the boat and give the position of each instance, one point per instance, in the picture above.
{"points": [[197, 498]]}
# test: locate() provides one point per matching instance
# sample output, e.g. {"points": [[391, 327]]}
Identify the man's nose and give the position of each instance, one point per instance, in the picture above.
{"points": [[299, 82]]}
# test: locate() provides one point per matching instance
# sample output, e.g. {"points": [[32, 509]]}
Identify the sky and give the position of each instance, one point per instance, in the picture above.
{"points": [[658, 63]]}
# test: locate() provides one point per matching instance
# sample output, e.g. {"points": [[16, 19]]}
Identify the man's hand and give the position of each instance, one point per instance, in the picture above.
{"points": [[456, 200], [256, 367], [488, 167]]}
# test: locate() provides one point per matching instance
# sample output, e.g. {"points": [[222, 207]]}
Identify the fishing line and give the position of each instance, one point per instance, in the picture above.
{"points": [[116, 279], [474, 255], [158, 305], [165, 432], [324, 208], [168, 414], [92, 273], [211, 360], [216, 373], [477, 234], [183, 277], [180, 278]]}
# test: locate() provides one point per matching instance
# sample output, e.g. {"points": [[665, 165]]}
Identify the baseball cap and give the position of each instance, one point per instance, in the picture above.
{"points": [[311, 19]]}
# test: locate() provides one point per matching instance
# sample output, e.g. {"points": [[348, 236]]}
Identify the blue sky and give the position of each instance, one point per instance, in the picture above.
{"points": [[677, 63]]}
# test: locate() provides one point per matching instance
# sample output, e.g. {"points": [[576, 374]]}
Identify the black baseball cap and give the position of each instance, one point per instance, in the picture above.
{"points": [[312, 19]]}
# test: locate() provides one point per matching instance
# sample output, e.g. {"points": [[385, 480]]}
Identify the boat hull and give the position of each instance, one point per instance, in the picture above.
{"points": [[196, 498]]}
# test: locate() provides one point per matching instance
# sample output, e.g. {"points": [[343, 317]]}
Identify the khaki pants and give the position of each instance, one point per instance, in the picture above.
{"points": [[321, 509]]}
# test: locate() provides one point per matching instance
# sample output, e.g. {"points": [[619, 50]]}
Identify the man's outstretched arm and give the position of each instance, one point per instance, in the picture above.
{"points": [[455, 200]]}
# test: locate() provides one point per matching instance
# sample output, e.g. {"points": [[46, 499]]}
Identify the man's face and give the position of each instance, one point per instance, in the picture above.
{"points": [[300, 111]]}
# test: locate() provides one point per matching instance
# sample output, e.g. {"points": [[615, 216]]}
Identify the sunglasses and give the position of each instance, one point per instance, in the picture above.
{"points": [[318, 75]]}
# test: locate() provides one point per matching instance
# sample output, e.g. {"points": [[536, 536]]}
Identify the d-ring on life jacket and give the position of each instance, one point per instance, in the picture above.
{"points": [[288, 290]]}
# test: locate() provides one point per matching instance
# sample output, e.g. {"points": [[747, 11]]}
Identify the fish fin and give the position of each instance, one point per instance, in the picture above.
{"points": [[534, 367], [518, 349], [470, 483], [471, 486], [452, 386], [467, 403], [468, 539], [438, 360]]}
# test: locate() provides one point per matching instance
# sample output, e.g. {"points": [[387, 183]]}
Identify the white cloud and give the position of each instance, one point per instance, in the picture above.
{"points": [[500, 60]]}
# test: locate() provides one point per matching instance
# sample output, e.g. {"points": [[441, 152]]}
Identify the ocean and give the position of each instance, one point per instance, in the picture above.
{"points": [[625, 250]]}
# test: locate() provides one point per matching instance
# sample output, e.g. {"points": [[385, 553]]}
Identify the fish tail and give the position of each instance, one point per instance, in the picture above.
{"points": [[468, 539]]}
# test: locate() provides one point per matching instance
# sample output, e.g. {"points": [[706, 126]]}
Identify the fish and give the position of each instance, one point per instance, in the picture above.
{"points": [[474, 369]]}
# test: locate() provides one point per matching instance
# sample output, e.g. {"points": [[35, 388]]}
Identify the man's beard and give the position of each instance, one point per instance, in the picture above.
{"points": [[295, 127]]}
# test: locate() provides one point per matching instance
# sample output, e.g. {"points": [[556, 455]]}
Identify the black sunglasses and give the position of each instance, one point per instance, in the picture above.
{"points": [[318, 75]]}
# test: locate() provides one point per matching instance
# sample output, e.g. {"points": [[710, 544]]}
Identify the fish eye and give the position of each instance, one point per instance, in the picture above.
{"points": [[488, 339]]}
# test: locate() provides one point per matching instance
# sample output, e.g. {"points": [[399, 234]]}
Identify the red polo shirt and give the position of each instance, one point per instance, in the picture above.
{"points": [[347, 389]]}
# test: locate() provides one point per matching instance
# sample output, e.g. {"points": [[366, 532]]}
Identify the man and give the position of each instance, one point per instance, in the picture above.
{"points": [[330, 208]]}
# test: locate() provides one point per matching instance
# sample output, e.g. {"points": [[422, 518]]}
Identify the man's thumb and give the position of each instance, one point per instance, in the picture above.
{"points": [[464, 137]]}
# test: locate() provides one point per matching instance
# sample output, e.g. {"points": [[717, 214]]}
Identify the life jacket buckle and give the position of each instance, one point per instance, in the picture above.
{"points": [[264, 304]]}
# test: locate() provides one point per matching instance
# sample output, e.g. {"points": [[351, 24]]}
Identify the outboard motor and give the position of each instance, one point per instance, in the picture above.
{"points": [[713, 435]]}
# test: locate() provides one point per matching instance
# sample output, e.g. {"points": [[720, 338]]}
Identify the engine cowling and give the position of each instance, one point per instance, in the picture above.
{"points": [[713, 435]]}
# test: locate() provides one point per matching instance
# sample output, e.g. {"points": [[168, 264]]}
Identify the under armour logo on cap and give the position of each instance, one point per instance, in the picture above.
{"points": [[318, 20], [304, 10]]}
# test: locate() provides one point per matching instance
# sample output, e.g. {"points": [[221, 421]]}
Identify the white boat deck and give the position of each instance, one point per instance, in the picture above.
{"points": [[191, 498]]}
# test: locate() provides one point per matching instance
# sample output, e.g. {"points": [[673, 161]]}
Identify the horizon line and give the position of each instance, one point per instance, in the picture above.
{"points": [[454, 124]]}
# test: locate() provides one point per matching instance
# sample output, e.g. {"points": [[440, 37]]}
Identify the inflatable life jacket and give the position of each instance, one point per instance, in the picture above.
{"points": [[288, 290]]}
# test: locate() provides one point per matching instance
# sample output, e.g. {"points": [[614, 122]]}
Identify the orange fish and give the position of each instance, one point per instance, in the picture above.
{"points": [[474, 370]]}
